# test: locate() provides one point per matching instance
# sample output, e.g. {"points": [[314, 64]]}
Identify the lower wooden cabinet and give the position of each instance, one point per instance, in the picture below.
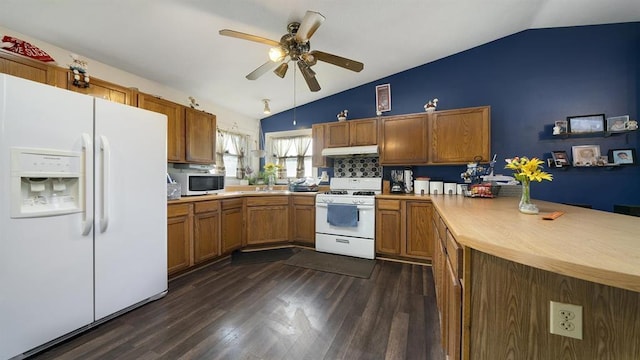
{"points": [[303, 219], [231, 223], [403, 228], [179, 234], [206, 234], [447, 271], [267, 219]]}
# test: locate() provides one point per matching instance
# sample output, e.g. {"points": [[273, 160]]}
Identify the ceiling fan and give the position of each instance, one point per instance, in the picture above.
{"points": [[295, 46]]}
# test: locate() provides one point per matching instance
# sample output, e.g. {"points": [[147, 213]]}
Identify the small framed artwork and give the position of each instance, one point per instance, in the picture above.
{"points": [[586, 123], [617, 123], [383, 98], [560, 158], [622, 156], [560, 128], [585, 155]]}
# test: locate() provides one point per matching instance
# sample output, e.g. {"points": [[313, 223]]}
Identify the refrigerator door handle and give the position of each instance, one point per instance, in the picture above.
{"points": [[106, 163], [87, 218]]}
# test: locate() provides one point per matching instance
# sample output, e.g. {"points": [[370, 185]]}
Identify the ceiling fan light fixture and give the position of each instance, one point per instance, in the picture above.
{"points": [[281, 70], [267, 109], [276, 54]]}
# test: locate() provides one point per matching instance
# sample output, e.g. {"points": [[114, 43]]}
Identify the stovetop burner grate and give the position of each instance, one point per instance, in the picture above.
{"points": [[336, 192], [364, 193]]}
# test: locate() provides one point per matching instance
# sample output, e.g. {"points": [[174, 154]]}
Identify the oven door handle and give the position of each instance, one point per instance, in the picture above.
{"points": [[360, 207]]}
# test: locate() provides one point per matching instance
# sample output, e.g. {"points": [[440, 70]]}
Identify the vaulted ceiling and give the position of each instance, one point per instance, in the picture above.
{"points": [[176, 42]]}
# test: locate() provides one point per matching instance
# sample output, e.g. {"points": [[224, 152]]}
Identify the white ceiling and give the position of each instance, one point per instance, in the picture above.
{"points": [[176, 42]]}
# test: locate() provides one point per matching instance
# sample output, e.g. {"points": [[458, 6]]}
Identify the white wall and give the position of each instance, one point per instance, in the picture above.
{"points": [[226, 118]]}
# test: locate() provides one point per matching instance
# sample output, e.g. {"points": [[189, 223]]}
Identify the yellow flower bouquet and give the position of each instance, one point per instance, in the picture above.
{"points": [[525, 171]]}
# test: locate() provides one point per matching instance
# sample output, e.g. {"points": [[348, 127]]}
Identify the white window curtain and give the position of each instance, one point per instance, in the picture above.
{"points": [[281, 147], [220, 146], [238, 146], [301, 144]]}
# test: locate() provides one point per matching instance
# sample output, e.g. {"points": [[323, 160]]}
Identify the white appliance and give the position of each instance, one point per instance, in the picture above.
{"points": [[82, 239], [198, 183], [355, 236]]}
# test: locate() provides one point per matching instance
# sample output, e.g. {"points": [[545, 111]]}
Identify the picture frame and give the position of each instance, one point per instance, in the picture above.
{"points": [[582, 124], [617, 123], [623, 156], [562, 127], [585, 155], [560, 158], [383, 98]]}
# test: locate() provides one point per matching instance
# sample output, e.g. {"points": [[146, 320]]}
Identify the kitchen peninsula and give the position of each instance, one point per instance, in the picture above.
{"points": [[512, 265]]}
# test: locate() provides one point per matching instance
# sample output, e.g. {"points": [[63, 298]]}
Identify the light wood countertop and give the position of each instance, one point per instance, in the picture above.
{"points": [[592, 245]]}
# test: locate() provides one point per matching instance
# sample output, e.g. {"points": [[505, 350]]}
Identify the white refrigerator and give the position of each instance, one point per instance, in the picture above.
{"points": [[83, 233]]}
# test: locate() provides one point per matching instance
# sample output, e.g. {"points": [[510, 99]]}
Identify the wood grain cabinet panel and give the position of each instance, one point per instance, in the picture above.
{"points": [[460, 136], [318, 134], [336, 134], [267, 219], [231, 223], [200, 132], [24, 68], [303, 220], [206, 235], [419, 242], [363, 132], [175, 124], [103, 89], [403, 140], [388, 227], [179, 237]]}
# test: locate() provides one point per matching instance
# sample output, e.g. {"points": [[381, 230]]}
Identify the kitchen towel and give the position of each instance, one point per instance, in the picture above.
{"points": [[342, 215]]}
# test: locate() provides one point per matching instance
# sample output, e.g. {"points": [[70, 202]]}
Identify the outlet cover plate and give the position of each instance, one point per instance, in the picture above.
{"points": [[565, 319]]}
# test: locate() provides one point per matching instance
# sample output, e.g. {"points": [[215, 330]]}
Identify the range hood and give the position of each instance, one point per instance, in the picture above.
{"points": [[370, 151]]}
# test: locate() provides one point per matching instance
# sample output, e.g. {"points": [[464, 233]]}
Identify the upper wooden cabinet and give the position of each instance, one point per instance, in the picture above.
{"points": [[403, 140], [200, 128], [336, 134], [317, 134], [351, 133], [460, 136], [175, 124], [32, 70], [103, 89], [191, 134]]}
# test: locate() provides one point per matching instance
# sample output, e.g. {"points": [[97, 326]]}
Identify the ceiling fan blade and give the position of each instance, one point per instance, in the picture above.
{"points": [[338, 60], [261, 70], [240, 35], [309, 76], [310, 23]]}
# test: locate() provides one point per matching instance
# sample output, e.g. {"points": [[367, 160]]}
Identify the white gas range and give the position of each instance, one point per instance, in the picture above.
{"points": [[345, 217]]}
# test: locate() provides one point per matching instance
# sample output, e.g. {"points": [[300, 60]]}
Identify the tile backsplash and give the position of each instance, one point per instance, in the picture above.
{"points": [[357, 167]]}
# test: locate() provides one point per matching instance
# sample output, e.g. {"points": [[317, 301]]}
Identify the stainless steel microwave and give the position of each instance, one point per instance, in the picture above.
{"points": [[199, 183]]}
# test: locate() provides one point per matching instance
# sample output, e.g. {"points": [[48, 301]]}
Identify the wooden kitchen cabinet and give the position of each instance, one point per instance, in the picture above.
{"points": [[103, 89], [403, 228], [200, 136], [33, 70], [403, 140], [179, 220], [267, 219], [363, 132], [206, 233], [336, 134], [303, 219], [175, 124], [231, 223], [317, 134], [447, 273], [460, 136]]}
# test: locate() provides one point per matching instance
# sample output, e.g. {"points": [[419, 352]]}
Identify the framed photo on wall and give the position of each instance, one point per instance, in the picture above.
{"points": [[617, 123], [585, 155], [560, 158], [383, 98], [585, 123], [623, 156]]}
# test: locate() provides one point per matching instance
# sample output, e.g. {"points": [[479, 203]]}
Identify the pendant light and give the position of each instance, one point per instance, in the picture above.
{"points": [[267, 109]]}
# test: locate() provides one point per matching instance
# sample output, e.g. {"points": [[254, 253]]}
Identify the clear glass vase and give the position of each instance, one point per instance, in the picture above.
{"points": [[525, 205], [271, 180]]}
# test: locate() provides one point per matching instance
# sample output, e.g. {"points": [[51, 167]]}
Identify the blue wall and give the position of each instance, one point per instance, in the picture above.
{"points": [[530, 79]]}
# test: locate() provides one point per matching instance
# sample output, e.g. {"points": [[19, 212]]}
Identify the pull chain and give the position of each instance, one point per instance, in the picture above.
{"points": [[294, 95]]}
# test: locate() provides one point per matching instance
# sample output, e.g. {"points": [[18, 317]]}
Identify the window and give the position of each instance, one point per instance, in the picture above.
{"points": [[293, 150], [231, 149]]}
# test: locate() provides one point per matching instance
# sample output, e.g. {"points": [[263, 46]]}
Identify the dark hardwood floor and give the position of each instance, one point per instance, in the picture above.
{"points": [[274, 311]]}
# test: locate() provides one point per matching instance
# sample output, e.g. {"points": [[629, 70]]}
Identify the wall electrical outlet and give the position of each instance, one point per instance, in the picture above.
{"points": [[566, 320]]}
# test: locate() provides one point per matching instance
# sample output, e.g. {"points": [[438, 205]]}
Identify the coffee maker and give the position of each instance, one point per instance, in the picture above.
{"points": [[401, 181]]}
